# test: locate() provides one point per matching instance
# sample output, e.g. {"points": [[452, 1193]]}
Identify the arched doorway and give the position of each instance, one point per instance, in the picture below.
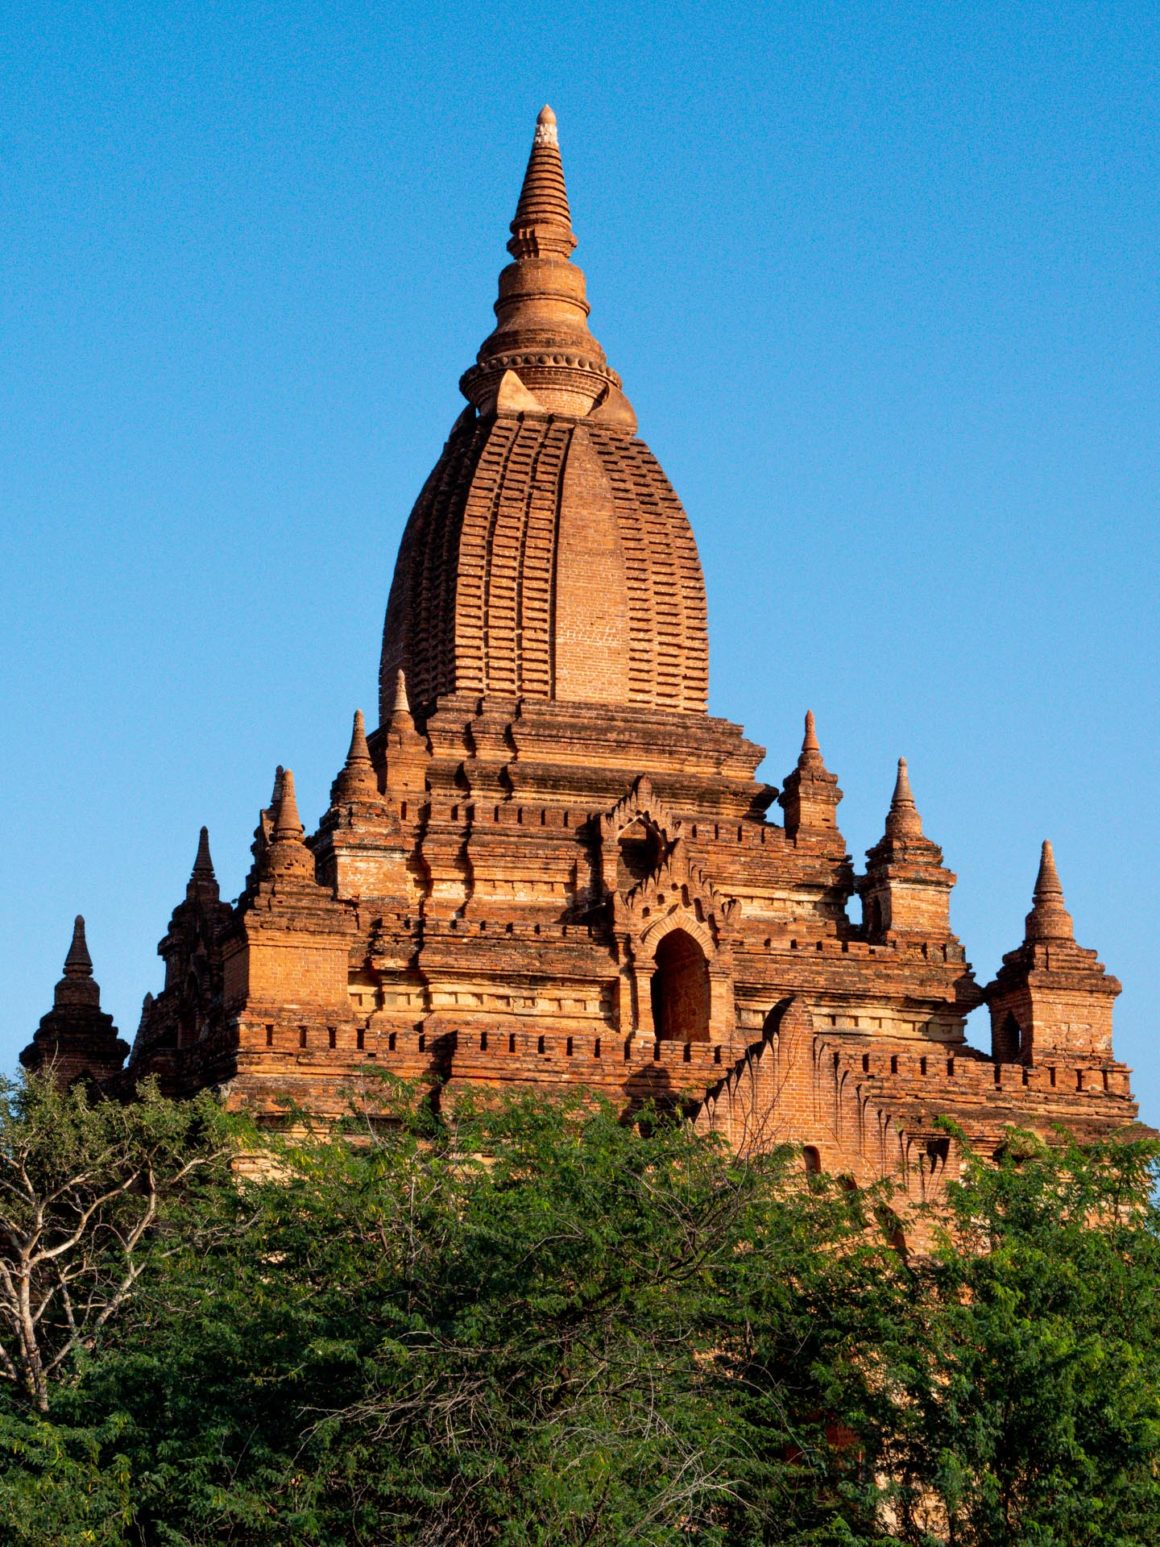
{"points": [[680, 989]]}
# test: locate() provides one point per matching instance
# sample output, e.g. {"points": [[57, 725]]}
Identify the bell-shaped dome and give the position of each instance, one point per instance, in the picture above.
{"points": [[547, 556]]}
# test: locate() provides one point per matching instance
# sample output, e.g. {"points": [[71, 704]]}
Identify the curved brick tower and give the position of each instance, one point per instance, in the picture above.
{"points": [[547, 557], [550, 865]]}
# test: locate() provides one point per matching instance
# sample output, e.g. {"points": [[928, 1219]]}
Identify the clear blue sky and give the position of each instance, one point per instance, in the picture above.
{"points": [[882, 284]]}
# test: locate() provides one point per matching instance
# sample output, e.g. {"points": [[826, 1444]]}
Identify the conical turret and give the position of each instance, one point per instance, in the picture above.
{"points": [[906, 889], [903, 820], [76, 1038], [202, 882], [357, 781], [288, 939], [184, 1012], [288, 855], [810, 744], [406, 749], [401, 719], [1051, 999], [203, 864], [1049, 918], [811, 795], [78, 967]]}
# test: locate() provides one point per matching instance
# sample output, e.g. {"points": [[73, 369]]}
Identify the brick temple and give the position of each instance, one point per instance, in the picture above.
{"points": [[551, 866]]}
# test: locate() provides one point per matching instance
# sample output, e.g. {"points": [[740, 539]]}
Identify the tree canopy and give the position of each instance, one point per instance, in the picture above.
{"points": [[529, 1322]]}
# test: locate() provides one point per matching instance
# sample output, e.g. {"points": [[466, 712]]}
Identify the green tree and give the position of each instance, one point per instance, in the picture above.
{"points": [[1028, 1372], [86, 1189], [528, 1321], [524, 1323]]}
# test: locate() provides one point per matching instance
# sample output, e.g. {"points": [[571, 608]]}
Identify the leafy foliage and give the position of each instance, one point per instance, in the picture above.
{"points": [[86, 1192], [527, 1322]]}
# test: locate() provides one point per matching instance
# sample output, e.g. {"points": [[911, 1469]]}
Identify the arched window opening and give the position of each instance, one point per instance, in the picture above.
{"points": [[813, 1160], [874, 917], [639, 852], [680, 989]]}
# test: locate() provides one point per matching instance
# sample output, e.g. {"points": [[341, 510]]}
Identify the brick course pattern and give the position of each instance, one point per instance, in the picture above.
{"points": [[551, 866]]}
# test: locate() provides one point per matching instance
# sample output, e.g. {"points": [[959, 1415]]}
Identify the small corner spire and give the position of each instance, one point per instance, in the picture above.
{"points": [[357, 780], [287, 824], [810, 761], [400, 704], [76, 1038], [287, 856], [203, 863], [77, 985], [1049, 918], [358, 751], [78, 963], [811, 795], [903, 820]]}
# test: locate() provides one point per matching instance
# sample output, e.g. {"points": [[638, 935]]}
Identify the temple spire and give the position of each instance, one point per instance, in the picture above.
{"points": [[903, 820], [202, 884], [358, 753], [1049, 918], [543, 220], [541, 337], [811, 794], [76, 1037], [400, 704], [357, 780], [287, 854], [406, 749], [810, 739], [203, 864], [287, 823], [78, 963], [906, 889]]}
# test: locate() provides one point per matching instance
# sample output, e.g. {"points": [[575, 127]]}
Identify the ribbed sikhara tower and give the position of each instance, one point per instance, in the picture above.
{"points": [[551, 866], [548, 558]]}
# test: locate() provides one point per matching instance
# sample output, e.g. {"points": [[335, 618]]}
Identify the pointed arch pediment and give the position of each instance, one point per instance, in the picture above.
{"points": [[640, 804], [636, 837], [678, 894]]}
